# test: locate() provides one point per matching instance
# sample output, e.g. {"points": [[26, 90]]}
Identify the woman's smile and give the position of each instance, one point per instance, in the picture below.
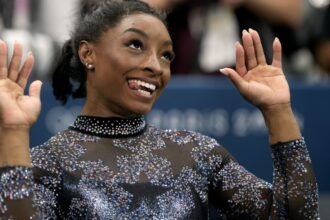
{"points": [[142, 87]]}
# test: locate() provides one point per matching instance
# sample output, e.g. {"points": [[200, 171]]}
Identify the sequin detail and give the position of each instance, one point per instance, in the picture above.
{"points": [[15, 183], [109, 127], [292, 165], [247, 197], [158, 174]]}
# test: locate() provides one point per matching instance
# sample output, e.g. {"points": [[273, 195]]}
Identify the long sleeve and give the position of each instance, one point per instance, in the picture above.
{"points": [[30, 193], [16, 188], [240, 195]]}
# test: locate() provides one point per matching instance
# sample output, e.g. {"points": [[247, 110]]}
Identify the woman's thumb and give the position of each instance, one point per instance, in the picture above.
{"points": [[35, 89]]}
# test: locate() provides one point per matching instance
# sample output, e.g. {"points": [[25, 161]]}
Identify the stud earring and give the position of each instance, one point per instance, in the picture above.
{"points": [[89, 66]]}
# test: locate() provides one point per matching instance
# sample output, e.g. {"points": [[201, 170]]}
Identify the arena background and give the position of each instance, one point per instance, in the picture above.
{"points": [[210, 105]]}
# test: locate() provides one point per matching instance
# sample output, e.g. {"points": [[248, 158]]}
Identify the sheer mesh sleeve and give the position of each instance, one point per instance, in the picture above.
{"points": [[239, 194], [30, 193]]}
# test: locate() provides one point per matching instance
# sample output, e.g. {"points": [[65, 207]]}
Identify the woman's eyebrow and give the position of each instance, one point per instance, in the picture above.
{"points": [[138, 31], [145, 35], [168, 43]]}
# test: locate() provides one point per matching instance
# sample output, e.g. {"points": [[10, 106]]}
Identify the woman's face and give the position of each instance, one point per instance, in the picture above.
{"points": [[132, 67]]}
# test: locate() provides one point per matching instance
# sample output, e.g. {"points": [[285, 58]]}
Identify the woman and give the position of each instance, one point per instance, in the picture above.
{"points": [[110, 164]]}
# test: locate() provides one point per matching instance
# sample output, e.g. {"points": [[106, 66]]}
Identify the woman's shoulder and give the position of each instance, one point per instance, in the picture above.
{"points": [[63, 141], [203, 149], [182, 136]]}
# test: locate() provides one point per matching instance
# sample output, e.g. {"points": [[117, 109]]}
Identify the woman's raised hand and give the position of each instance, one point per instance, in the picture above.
{"points": [[16, 109], [263, 85]]}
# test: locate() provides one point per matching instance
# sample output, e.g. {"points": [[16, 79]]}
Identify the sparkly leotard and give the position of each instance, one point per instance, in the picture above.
{"points": [[111, 168]]}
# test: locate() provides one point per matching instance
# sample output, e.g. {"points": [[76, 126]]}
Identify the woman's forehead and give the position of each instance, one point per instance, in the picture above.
{"points": [[148, 24]]}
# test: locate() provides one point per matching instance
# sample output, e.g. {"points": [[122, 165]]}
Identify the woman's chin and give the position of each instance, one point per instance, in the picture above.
{"points": [[139, 110]]}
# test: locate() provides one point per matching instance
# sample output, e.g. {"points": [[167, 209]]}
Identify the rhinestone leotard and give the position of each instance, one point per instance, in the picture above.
{"points": [[111, 168]]}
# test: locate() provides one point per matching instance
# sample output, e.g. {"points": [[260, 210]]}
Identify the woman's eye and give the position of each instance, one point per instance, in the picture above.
{"points": [[169, 56], [135, 44]]}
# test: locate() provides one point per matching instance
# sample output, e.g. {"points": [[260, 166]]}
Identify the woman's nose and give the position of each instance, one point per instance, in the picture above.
{"points": [[153, 64]]}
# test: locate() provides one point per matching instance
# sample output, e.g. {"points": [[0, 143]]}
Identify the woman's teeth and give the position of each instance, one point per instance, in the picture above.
{"points": [[144, 93], [140, 83], [144, 88]]}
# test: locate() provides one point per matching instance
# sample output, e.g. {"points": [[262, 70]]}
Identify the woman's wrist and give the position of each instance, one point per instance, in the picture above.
{"points": [[14, 146], [281, 123]]}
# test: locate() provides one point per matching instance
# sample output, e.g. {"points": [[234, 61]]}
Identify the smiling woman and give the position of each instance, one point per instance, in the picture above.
{"points": [[111, 164], [140, 67]]}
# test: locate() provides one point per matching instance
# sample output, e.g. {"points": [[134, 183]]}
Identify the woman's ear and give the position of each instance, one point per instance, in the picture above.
{"points": [[86, 54]]}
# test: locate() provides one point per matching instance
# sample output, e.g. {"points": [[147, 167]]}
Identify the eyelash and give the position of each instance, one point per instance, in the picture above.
{"points": [[135, 44], [170, 56], [138, 45]]}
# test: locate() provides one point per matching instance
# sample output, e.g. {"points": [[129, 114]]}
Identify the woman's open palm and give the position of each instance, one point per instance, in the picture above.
{"points": [[17, 109], [261, 84]]}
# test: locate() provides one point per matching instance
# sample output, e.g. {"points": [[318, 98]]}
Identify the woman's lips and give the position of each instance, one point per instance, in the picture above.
{"points": [[141, 87]]}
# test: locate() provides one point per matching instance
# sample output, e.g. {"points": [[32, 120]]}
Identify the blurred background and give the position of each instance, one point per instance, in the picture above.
{"points": [[199, 98]]}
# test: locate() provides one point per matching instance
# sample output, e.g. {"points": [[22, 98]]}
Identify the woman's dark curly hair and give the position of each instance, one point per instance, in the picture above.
{"points": [[94, 18]]}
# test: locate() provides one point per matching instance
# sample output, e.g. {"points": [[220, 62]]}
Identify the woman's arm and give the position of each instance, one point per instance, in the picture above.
{"points": [[17, 111], [20, 196], [294, 191], [265, 86], [14, 147], [27, 192], [238, 194]]}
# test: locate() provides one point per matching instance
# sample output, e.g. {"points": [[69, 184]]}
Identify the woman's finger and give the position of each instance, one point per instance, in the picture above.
{"points": [[237, 80], [240, 59], [15, 63], [250, 55], [26, 70], [3, 60], [261, 59], [277, 53]]}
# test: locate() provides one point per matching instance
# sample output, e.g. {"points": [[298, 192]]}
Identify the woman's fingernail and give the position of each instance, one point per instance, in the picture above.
{"points": [[224, 72]]}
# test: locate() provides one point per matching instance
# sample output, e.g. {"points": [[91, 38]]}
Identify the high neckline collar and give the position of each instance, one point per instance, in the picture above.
{"points": [[112, 127]]}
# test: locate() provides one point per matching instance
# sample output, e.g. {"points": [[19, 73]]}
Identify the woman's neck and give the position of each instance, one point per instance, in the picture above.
{"points": [[98, 110], [111, 127]]}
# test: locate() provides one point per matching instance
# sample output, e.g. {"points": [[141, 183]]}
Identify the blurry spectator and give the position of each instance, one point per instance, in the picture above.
{"points": [[308, 43], [55, 18], [165, 5], [205, 31], [6, 14], [322, 45], [20, 21]]}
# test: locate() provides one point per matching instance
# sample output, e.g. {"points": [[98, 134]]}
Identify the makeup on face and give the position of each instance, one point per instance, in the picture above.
{"points": [[132, 67]]}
